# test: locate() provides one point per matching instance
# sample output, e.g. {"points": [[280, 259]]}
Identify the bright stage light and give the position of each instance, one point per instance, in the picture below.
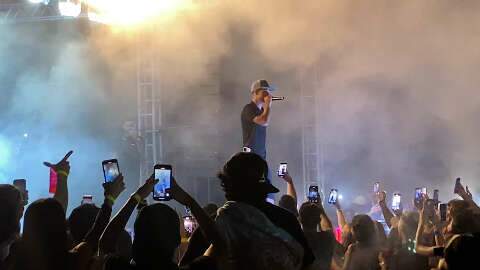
{"points": [[69, 8], [128, 12], [25, 135], [340, 196], [45, 2]]}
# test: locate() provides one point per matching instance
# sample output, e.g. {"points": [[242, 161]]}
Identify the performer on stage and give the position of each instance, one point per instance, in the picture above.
{"points": [[255, 117]]}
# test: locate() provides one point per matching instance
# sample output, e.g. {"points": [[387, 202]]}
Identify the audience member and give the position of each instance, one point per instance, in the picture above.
{"points": [[321, 241], [247, 232], [243, 179], [363, 254], [11, 211]]}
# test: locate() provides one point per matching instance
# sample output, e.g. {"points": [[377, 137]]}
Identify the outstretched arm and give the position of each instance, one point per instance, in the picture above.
{"points": [[62, 170], [206, 224], [387, 214], [111, 192], [325, 223], [464, 193], [118, 223], [290, 186]]}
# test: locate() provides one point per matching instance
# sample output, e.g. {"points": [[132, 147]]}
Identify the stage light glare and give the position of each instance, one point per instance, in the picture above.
{"points": [[340, 196], [128, 13], [4, 152], [69, 8], [45, 2], [25, 135]]}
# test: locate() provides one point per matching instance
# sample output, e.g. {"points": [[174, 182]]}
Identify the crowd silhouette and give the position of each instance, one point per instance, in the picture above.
{"points": [[246, 232]]}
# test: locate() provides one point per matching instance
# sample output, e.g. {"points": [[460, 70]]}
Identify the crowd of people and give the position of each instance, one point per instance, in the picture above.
{"points": [[247, 232]]}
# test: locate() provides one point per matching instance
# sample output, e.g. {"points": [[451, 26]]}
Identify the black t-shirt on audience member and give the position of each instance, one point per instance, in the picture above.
{"points": [[322, 244], [254, 136]]}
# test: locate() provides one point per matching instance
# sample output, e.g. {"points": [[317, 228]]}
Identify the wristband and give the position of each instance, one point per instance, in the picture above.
{"points": [[64, 173], [137, 197], [110, 198]]}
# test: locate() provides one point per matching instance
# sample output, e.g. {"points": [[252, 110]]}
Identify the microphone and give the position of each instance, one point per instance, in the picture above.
{"points": [[278, 98]]}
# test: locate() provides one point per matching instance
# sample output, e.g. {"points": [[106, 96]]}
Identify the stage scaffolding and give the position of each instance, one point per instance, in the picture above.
{"points": [[312, 149]]}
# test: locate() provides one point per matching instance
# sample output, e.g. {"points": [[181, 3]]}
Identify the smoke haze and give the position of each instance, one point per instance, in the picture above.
{"points": [[396, 84]]}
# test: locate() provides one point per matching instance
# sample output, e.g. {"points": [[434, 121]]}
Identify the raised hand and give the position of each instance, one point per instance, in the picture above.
{"points": [[179, 194], [337, 205], [147, 188], [287, 178], [267, 99], [469, 194], [114, 188], [62, 166]]}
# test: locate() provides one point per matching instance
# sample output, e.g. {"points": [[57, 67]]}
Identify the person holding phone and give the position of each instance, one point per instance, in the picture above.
{"points": [[156, 230], [313, 216], [288, 201], [44, 242]]}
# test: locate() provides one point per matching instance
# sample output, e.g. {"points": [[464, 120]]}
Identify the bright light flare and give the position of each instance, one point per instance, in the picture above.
{"points": [[129, 12], [69, 8]]}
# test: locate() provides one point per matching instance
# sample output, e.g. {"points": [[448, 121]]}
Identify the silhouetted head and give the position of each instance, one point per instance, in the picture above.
{"points": [[211, 209], [157, 235], [407, 226], [288, 202], [461, 252], [81, 221], [363, 229], [11, 211], [45, 235], [309, 216], [244, 178]]}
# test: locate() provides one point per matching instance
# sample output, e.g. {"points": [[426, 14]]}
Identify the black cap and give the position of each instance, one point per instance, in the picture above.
{"points": [[251, 170]]}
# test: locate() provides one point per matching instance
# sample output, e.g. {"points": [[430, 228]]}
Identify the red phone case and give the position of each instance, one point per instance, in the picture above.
{"points": [[53, 181]]}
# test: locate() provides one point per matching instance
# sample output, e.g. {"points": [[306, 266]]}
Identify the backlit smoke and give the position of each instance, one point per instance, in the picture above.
{"points": [[396, 84]]}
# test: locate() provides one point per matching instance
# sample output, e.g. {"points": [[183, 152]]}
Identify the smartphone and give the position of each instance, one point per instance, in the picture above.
{"points": [[110, 170], [396, 199], [189, 223], [457, 184], [282, 169], [21, 184], [53, 181], [435, 195], [313, 195], [87, 199], [332, 198], [162, 173], [376, 187], [443, 211], [420, 194]]}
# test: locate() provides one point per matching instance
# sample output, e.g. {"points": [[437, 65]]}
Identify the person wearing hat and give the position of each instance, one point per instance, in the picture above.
{"points": [[255, 118], [244, 179]]}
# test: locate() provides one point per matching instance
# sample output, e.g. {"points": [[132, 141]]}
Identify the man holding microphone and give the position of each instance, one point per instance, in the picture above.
{"points": [[255, 118]]}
